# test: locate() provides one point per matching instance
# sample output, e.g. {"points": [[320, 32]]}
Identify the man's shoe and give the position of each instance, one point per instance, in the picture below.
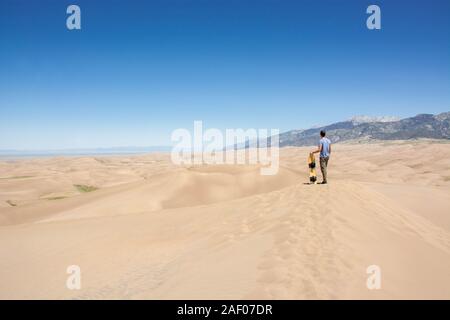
{"points": [[323, 182]]}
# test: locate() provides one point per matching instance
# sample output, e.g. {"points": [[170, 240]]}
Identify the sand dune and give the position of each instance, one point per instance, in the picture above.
{"points": [[151, 230]]}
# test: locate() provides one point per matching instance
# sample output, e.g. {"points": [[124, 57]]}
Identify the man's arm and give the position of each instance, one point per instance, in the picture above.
{"points": [[318, 150], [329, 148]]}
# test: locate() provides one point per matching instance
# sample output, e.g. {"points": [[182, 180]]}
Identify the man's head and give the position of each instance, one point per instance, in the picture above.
{"points": [[322, 133]]}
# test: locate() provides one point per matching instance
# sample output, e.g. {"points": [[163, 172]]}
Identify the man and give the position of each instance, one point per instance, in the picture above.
{"points": [[325, 150]]}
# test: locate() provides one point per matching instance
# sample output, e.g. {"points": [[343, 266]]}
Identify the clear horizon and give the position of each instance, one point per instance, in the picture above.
{"points": [[134, 148], [136, 71]]}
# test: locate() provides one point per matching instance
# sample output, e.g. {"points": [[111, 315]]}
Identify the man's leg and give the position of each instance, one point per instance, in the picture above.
{"points": [[323, 168]]}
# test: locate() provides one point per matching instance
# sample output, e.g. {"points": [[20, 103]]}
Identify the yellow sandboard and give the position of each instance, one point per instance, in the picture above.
{"points": [[312, 169]]}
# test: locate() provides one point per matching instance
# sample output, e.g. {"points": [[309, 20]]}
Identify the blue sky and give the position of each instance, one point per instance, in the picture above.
{"points": [[137, 70]]}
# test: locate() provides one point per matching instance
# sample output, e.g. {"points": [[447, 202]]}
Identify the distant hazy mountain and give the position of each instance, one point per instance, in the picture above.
{"points": [[379, 128], [93, 151]]}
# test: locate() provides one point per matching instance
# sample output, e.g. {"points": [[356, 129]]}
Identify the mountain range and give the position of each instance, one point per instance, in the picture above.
{"points": [[378, 128]]}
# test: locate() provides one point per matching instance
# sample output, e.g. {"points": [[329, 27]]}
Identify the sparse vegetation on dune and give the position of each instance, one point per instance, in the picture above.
{"points": [[84, 188], [56, 198], [15, 177]]}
